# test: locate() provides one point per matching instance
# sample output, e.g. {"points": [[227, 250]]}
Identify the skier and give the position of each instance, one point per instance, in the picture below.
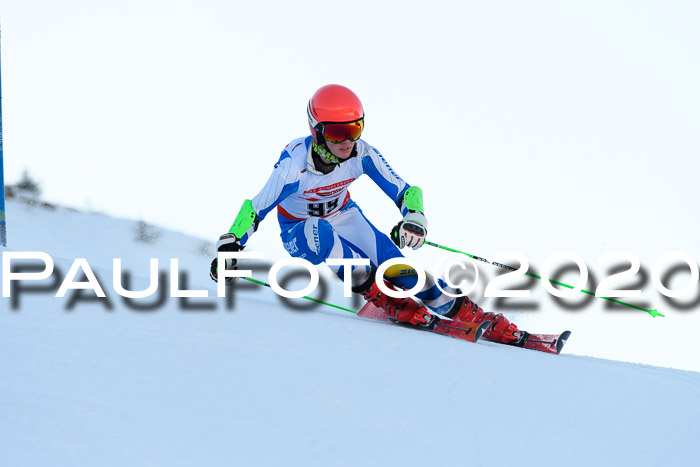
{"points": [[319, 220]]}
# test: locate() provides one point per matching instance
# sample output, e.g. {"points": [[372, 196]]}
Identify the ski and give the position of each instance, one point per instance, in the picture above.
{"points": [[458, 329], [550, 343]]}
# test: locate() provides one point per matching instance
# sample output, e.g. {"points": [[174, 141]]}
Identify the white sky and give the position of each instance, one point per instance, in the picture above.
{"points": [[531, 126]]}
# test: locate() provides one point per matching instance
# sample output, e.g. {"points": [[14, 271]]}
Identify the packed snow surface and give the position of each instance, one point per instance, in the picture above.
{"points": [[197, 381]]}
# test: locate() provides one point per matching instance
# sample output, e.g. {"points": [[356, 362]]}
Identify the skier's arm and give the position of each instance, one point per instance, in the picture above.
{"points": [[245, 224], [381, 173], [283, 182], [242, 228], [413, 228], [411, 200]]}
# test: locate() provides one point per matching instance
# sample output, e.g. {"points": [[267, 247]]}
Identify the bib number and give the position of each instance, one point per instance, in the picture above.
{"points": [[322, 209]]}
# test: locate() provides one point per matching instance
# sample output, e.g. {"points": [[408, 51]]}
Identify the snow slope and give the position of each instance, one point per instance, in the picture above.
{"points": [[95, 382]]}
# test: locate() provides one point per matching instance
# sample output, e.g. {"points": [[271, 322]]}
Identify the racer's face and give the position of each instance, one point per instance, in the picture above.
{"points": [[341, 150]]}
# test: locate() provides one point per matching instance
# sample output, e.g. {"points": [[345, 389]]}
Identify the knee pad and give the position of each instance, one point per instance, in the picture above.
{"points": [[311, 240], [320, 238]]}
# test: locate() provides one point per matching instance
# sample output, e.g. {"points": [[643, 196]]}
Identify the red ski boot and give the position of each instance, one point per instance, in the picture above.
{"points": [[404, 310], [501, 330]]}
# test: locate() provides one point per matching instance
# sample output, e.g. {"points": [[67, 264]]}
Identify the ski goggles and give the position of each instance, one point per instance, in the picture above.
{"points": [[339, 132]]}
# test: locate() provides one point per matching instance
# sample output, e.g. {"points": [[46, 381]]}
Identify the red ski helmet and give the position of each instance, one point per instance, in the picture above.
{"points": [[334, 103]]}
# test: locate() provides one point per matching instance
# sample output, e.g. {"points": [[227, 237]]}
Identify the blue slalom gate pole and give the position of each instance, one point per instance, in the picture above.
{"points": [[3, 224]]}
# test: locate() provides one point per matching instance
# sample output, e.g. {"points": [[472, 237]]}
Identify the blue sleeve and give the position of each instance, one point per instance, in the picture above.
{"points": [[283, 182], [381, 173]]}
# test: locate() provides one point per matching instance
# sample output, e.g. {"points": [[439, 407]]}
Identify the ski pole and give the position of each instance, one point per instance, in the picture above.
{"points": [[653, 313], [255, 281]]}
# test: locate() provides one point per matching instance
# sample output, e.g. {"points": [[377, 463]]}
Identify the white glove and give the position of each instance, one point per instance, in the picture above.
{"points": [[411, 231], [227, 242]]}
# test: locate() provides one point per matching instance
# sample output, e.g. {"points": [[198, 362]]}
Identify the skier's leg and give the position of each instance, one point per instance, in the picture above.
{"points": [[355, 231], [353, 227], [315, 240]]}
